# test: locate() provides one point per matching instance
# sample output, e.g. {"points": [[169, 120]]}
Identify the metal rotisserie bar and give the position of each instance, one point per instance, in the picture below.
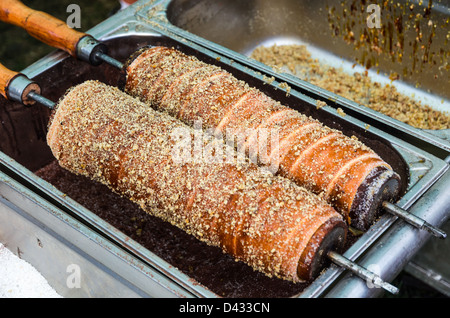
{"points": [[408, 51]]}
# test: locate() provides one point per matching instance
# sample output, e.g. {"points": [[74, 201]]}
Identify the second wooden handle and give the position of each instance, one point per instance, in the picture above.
{"points": [[41, 25], [6, 75]]}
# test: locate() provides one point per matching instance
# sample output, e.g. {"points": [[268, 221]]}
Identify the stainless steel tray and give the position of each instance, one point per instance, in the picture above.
{"points": [[235, 28], [24, 151], [78, 253]]}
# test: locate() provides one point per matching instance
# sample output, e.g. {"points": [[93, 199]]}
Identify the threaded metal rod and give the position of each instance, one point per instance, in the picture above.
{"points": [[362, 272], [111, 61], [41, 100], [413, 220]]}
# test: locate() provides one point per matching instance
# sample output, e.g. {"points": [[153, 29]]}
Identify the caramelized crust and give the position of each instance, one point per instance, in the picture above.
{"points": [[317, 157], [266, 221]]}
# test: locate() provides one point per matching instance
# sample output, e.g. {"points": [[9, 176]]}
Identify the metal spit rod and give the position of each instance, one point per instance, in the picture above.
{"points": [[361, 272], [41, 99], [109, 60], [413, 220]]}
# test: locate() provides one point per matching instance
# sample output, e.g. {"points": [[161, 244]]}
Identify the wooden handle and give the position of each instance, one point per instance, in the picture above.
{"points": [[23, 86], [6, 76], [40, 25]]}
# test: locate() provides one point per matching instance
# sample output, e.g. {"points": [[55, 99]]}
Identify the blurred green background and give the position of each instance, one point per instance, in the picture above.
{"points": [[19, 49]]}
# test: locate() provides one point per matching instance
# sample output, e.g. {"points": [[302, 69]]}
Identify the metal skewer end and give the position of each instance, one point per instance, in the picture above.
{"points": [[41, 99], [362, 272], [413, 220], [111, 61]]}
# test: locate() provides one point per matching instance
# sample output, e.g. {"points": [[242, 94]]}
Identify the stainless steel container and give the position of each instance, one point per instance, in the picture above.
{"points": [[236, 28], [69, 233]]}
